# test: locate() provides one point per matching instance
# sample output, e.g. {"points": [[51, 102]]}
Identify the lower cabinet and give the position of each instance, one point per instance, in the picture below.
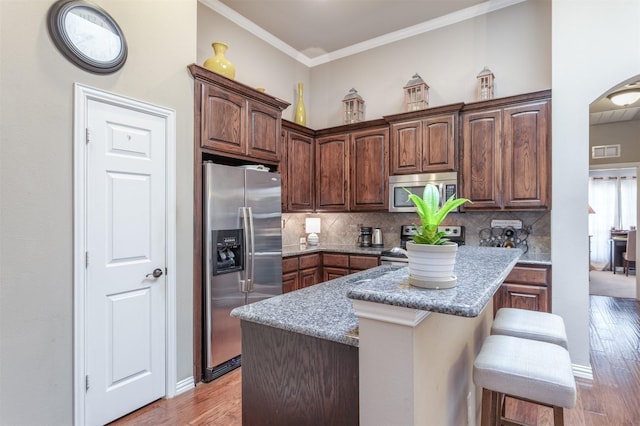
{"points": [[335, 265], [300, 271], [526, 287], [289, 274], [310, 269]]}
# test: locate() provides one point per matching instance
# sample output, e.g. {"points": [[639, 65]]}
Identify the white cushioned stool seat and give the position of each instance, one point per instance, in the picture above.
{"points": [[534, 325], [529, 369]]}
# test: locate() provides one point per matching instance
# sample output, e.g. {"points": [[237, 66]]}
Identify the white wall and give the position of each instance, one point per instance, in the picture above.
{"points": [[257, 63], [513, 42], [595, 47], [36, 187]]}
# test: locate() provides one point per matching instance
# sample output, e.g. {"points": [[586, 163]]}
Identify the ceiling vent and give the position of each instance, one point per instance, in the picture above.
{"points": [[605, 151]]}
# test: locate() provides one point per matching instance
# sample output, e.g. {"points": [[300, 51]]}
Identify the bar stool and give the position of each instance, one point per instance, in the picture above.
{"points": [[528, 370], [534, 325]]}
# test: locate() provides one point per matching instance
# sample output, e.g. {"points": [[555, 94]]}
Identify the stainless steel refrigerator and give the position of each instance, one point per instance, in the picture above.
{"points": [[242, 255]]}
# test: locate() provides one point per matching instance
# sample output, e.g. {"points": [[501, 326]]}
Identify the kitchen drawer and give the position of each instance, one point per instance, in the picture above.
{"points": [[289, 264], [331, 273], [309, 261], [336, 260], [360, 263], [528, 275]]}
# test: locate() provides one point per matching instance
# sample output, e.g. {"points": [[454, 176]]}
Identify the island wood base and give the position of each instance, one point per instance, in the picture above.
{"points": [[294, 379]]}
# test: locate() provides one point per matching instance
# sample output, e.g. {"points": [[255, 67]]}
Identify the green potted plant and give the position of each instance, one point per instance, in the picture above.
{"points": [[431, 255]]}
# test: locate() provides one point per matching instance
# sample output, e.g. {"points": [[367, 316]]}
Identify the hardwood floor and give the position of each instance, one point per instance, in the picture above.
{"points": [[612, 398], [218, 403]]}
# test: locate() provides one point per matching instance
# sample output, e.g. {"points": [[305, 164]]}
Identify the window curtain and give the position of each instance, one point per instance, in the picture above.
{"points": [[614, 201], [628, 195], [603, 200]]}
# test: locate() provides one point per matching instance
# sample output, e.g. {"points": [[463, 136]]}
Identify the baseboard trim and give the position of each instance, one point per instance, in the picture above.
{"points": [[582, 371], [185, 385]]}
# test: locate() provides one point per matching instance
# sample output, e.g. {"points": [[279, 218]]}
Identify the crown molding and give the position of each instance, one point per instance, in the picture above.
{"points": [[431, 25]]}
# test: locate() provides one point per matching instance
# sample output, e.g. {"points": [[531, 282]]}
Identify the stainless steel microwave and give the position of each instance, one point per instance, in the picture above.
{"points": [[446, 182]]}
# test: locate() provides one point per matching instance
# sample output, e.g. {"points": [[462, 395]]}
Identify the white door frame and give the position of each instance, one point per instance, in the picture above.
{"points": [[82, 95], [636, 166]]}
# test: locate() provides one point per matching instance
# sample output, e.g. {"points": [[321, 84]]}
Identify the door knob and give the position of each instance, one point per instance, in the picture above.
{"points": [[157, 273]]}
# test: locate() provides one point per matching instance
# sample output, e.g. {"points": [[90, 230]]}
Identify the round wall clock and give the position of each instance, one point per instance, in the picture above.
{"points": [[88, 36]]}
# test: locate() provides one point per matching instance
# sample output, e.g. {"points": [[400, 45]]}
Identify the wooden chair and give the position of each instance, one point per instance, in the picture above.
{"points": [[629, 256]]}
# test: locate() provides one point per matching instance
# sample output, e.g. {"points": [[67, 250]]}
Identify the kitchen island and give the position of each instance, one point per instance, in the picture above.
{"points": [[334, 352]]}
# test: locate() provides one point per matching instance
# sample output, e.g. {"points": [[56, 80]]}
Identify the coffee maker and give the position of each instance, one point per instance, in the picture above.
{"points": [[364, 239]]}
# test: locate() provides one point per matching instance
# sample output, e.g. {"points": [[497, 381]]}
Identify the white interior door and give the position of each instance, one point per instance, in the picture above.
{"points": [[125, 303]]}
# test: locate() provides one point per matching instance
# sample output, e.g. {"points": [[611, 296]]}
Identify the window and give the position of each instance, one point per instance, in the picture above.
{"points": [[612, 196]]}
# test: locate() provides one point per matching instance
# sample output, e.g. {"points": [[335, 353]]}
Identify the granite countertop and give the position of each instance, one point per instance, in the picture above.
{"points": [[296, 250], [326, 311], [480, 271], [536, 258]]}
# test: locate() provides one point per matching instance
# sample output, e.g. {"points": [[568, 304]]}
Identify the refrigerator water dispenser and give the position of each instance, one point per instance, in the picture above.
{"points": [[228, 252]]}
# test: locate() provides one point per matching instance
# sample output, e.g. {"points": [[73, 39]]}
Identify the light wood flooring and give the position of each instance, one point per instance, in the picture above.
{"points": [[612, 398]]}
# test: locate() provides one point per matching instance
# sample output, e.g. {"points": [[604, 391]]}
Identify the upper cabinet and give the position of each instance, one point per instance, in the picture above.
{"points": [[332, 173], [424, 141], [369, 186], [236, 120], [506, 153], [297, 165], [352, 168]]}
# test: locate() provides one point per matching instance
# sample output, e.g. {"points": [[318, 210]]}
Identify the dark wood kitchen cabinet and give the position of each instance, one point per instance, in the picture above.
{"points": [[336, 265], [236, 120], [352, 169], [506, 153], [289, 274], [298, 193], [526, 287], [301, 271], [425, 141], [332, 173], [369, 186]]}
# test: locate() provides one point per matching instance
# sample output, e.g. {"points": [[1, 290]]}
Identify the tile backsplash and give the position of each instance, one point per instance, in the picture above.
{"points": [[344, 228]]}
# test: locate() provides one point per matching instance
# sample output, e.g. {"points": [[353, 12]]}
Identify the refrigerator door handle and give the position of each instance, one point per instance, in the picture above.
{"points": [[252, 249], [244, 277]]}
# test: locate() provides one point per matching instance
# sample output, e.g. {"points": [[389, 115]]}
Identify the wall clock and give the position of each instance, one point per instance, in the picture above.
{"points": [[88, 36]]}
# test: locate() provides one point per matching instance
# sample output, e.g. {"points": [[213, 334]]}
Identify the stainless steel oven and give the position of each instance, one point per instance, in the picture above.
{"points": [[399, 201]]}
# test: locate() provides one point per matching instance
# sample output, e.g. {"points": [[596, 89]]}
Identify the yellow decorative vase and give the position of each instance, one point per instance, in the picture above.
{"points": [[301, 114], [218, 63]]}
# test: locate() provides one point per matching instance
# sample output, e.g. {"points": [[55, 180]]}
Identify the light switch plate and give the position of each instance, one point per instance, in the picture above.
{"points": [[503, 223], [303, 240]]}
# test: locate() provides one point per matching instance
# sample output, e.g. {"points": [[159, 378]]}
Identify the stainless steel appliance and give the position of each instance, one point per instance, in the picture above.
{"points": [[397, 255], [376, 238], [364, 239], [242, 255], [446, 182]]}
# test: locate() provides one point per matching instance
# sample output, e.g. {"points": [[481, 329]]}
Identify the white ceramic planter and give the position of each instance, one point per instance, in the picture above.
{"points": [[432, 266]]}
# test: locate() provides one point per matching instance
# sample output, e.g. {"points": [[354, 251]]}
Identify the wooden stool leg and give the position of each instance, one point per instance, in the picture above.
{"points": [[558, 416], [490, 408]]}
